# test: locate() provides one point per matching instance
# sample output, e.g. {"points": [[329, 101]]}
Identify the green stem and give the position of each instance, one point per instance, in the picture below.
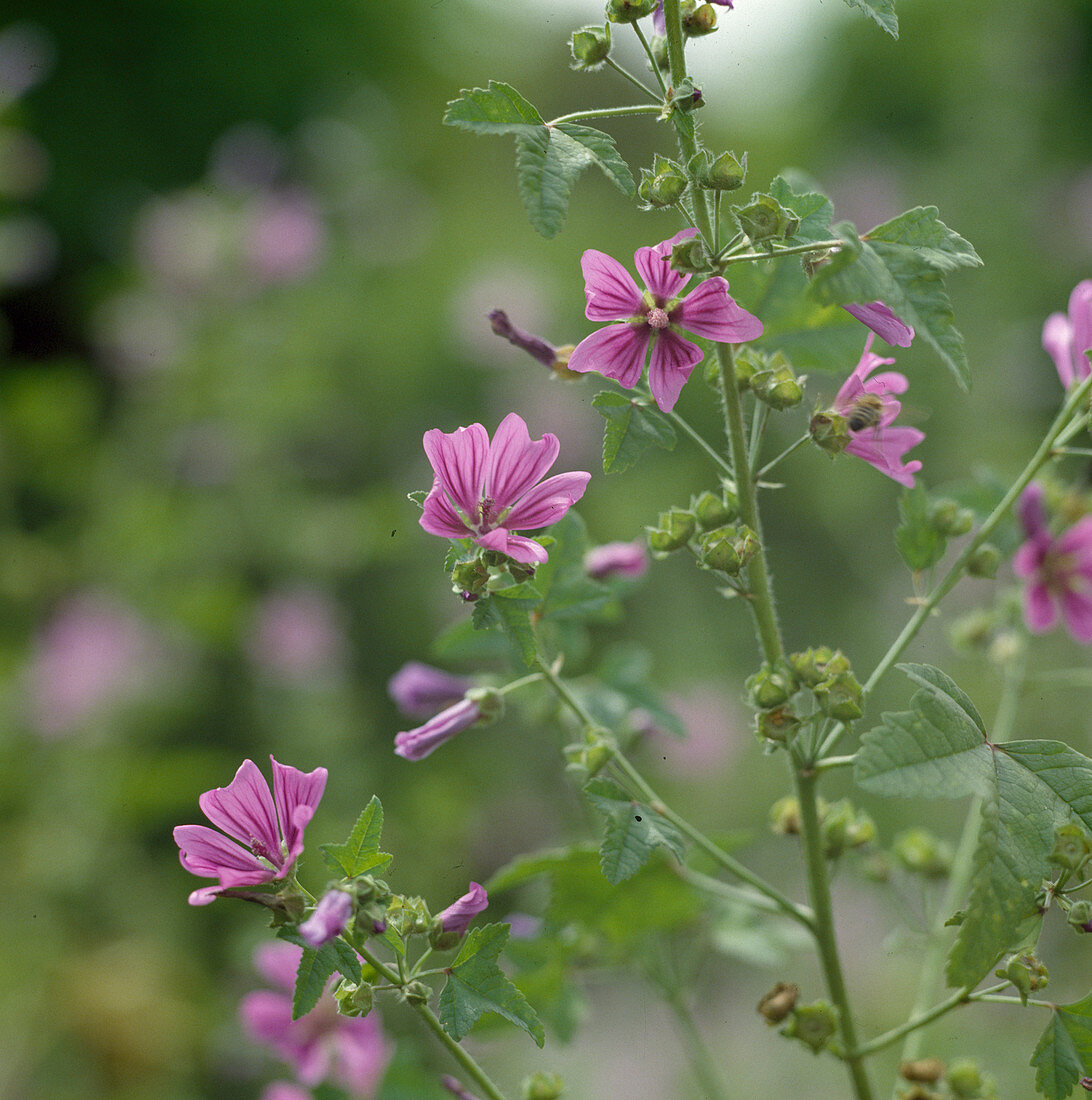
{"points": [[701, 1060], [719, 461], [608, 112], [633, 80], [916, 1021], [710, 885], [651, 58], [819, 893], [760, 415], [988, 997], [784, 454], [830, 762], [793, 250]]}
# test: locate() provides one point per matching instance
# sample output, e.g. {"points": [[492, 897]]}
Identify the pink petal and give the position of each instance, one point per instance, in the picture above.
{"points": [[1077, 612], [360, 1054], [1031, 512], [245, 811], [439, 516], [548, 502], [617, 351], [1077, 540], [1040, 612], [278, 962], [457, 916], [1057, 342], [417, 743], [266, 1016], [458, 458], [204, 851], [673, 358], [206, 895], [884, 448], [654, 266], [887, 381], [296, 794], [1080, 318], [855, 383], [516, 463], [709, 311], [611, 293], [883, 322], [524, 550], [1029, 556]]}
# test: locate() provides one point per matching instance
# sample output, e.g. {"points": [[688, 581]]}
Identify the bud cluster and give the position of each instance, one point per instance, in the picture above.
{"points": [[828, 675], [485, 572], [764, 220], [770, 378], [711, 528], [843, 827]]}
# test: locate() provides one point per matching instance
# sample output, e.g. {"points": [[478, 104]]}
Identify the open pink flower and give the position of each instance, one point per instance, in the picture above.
{"points": [[1058, 570], [486, 490], [883, 323], [878, 442], [458, 915], [321, 1046], [654, 317], [264, 832], [1066, 338]]}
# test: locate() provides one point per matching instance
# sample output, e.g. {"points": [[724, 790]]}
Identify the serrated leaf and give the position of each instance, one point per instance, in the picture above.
{"points": [[813, 209], [548, 162], [513, 615], [630, 428], [311, 977], [1063, 1054], [498, 109], [881, 12], [918, 542], [633, 830], [477, 985], [335, 955], [903, 263], [360, 853], [938, 749]]}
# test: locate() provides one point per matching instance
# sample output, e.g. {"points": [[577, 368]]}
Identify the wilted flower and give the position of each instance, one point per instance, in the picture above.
{"points": [[417, 743], [1066, 338], [329, 919], [883, 323], [654, 317], [484, 490], [617, 559], [1058, 570], [420, 689], [869, 409], [458, 915], [321, 1046], [264, 832]]}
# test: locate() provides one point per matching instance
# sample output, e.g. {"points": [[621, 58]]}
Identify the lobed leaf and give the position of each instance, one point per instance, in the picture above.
{"points": [[1064, 1052], [633, 830], [631, 427], [360, 853]]}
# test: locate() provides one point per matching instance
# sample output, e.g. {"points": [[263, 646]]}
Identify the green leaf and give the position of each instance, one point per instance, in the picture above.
{"points": [[633, 830], [498, 109], [513, 615], [477, 985], [548, 161], [813, 209], [881, 12], [567, 590], [938, 749], [360, 853], [919, 543], [1063, 1054], [631, 427], [903, 263], [314, 970]]}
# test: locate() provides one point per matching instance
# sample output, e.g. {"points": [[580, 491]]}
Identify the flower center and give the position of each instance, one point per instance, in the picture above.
{"points": [[260, 850], [487, 515], [656, 318], [1057, 571]]}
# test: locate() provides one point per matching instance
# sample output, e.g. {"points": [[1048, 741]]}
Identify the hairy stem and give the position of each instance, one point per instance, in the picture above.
{"points": [[608, 112]]}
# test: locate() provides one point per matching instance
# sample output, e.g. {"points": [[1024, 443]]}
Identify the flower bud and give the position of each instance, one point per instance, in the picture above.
{"points": [[771, 685], [617, 559], [785, 816], [1026, 973], [924, 1070], [629, 11], [724, 172], [843, 828], [1071, 848], [664, 184], [676, 529], [818, 663], [686, 97], [984, 561], [727, 549], [778, 1003], [972, 631], [700, 20], [765, 219], [590, 47], [776, 725], [469, 578], [715, 511], [690, 256], [964, 1078], [948, 519], [814, 1025], [328, 921], [839, 697], [416, 993], [921, 853], [421, 690], [830, 431], [354, 999], [590, 756], [744, 369], [777, 386], [1080, 915], [542, 1086]]}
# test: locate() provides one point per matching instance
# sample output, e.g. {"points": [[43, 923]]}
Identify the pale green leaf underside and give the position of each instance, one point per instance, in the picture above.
{"points": [[881, 12], [630, 428], [498, 109]]}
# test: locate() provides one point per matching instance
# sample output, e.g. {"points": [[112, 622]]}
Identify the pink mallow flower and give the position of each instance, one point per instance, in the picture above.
{"points": [[617, 559], [883, 323], [264, 832], [654, 317], [484, 490], [329, 918], [323, 1045], [458, 915], [877, 441], [417, 743], [422, 690], [1066, 338], [1058, 570]]}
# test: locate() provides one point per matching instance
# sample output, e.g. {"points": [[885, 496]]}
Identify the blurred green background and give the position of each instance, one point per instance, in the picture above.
{"points": [[243, 268]]}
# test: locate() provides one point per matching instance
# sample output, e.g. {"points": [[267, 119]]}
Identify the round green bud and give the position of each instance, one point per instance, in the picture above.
{"points": [[629, 11], [663, 184], [1071, 847], [984, 561], [776, 725], [713, 511], [590, 46], [416, 993], [542, 1086], [700, 21], [922, 853], [839, 697], [354, 999], [814, 1025], [777, 386], [676, 528], [690, 256], [771, 686], [785, 816], [964, 1078], [1080, 915], [829, 431], [948, 519], [765, 219]]}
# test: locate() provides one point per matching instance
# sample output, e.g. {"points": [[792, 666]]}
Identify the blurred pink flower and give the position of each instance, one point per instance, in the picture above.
{"points": [[879, 444], [296, 634], [91, 654], [617, 559], [654, 317], [1058, 570], [264, 832], [458, 915], [329, 918], [422, 690], [417, 743], [321, 1046], [883, 323], [483, 490], [285, 237], [1066, 337], [285, 1090]]}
